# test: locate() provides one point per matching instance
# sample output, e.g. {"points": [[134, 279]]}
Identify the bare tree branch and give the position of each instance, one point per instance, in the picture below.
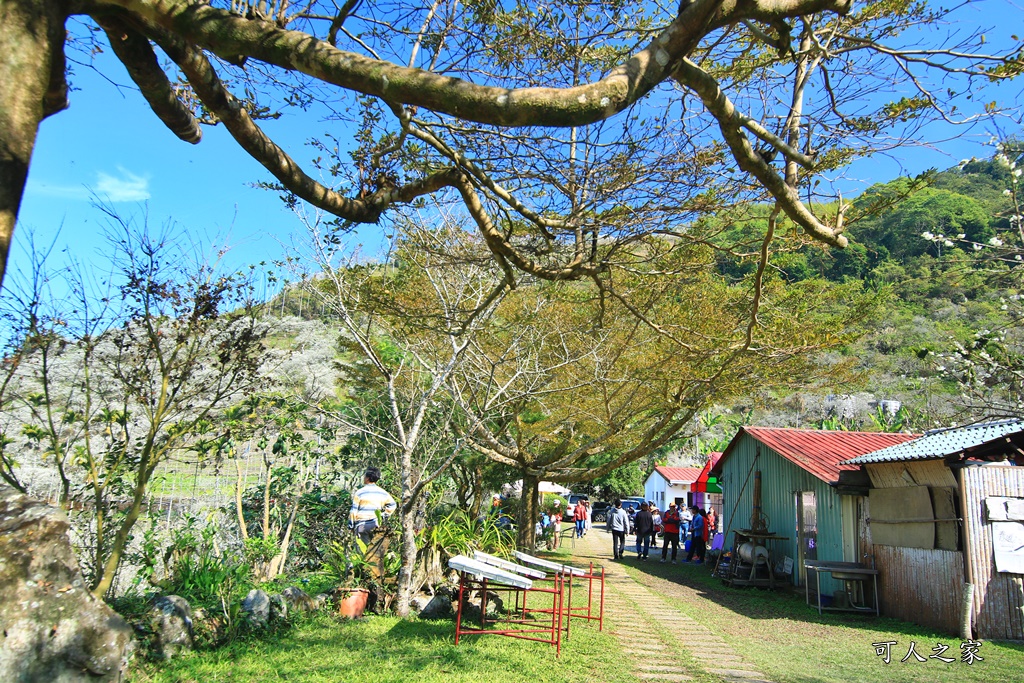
{"points": [[135, 52], [228, 36], [693, 77]]}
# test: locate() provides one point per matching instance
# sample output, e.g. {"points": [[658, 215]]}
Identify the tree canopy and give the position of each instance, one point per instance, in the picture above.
{"points": [[565, 130]]}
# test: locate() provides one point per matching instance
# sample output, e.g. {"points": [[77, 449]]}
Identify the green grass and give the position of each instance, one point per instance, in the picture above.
{"points": [[790, 643], [387, 649]]}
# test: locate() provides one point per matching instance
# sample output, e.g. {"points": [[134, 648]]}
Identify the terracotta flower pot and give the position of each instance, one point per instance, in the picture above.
{"points": [[353, 602]]}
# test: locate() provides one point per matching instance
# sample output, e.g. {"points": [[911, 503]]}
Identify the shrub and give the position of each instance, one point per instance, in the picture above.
{"points": [[460, 534]]}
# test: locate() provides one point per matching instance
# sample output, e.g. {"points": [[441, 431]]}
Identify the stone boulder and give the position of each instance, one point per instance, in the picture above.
{"points": [[170, 622], [256, 607], [278, 608], [323, 600], [473, 602], [428, 606], [298, 600], [55, 630]]}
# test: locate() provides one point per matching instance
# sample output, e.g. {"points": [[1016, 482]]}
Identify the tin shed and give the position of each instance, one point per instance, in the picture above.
{"points": [[940, 511], [798, 470]]}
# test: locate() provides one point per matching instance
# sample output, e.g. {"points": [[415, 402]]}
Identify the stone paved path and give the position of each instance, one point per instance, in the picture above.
{"points": [[663, 643]]}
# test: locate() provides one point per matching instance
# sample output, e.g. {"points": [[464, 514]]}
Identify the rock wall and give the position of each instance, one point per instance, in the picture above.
{"points": [[53, 629]]}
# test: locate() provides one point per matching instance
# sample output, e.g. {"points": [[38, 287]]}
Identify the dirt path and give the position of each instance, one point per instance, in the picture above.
{"points": [[664, 644]]}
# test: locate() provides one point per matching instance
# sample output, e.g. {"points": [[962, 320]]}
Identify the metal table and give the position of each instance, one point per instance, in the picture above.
{"points": [[842, 571]]}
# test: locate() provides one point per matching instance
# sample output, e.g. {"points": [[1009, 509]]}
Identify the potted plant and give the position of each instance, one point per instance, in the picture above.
{"points": [[349, 565]]}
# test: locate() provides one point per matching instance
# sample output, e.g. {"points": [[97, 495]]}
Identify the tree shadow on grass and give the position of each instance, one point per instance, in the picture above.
{"points": [[379, 650], [787, 602]]}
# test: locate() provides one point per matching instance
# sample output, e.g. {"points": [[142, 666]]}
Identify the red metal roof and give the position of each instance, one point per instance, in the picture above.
{"points": [[678, 474], [817, 451]]}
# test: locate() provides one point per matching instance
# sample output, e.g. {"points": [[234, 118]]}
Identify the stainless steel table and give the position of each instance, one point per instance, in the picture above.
{"points": [[842, 571]]}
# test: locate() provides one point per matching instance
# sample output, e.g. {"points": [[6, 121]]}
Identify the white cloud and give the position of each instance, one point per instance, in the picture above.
{"points": [[128, 187], [122, 186]]}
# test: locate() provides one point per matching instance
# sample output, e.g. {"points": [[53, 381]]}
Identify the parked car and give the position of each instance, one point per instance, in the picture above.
{"points": [[631, 505], [600, 511]]}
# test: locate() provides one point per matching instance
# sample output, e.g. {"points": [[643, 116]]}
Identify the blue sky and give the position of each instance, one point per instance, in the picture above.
{"points": [[110, 145]]}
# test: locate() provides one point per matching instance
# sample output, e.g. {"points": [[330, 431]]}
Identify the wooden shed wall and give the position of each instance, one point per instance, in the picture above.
{"points": [[998, 597], [921, 586], [889, 475], [780, 480]]}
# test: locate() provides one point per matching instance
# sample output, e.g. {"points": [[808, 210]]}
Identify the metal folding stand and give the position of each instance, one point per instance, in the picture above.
{"points": [[569, 575], [519, 622]]}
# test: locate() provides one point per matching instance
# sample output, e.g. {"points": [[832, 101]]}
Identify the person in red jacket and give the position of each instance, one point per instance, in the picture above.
{"points": [[670, 520], [579, 514]]}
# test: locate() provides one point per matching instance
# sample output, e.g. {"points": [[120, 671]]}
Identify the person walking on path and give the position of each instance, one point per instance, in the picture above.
{"points": [[643, 523], [696, 536], [590, 517], [367, 502], [579, 515], [671, 521], [618, 523]]}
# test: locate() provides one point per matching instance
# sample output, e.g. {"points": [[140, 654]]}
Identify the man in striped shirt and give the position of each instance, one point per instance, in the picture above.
{"points": [[366, 502]]}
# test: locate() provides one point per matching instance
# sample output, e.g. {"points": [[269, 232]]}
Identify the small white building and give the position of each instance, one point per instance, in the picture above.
{"points": [[667, 484], [516, 488]]}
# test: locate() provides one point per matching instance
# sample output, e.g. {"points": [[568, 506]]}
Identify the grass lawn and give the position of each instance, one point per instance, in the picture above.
{"points": [[791, 643], [387, 649]]}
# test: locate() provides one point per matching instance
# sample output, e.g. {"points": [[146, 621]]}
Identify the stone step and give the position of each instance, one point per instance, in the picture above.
{"points": [[666, 677], [659, 667], [736, 673], [724, 660]]}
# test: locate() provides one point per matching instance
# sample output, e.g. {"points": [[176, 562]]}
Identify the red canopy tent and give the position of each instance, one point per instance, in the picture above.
{"points": [[705, 482]]}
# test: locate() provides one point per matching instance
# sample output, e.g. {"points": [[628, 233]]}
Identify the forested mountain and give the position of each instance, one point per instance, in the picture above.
{"points": [[943, 247]]}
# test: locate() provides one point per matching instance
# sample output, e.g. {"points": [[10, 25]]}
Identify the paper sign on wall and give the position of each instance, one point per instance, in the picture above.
{"points": [[1001, 509], [1008, 546]]}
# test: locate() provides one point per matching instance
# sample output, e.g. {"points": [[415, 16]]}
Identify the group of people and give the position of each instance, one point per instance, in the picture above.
{"points": [[549, 526], [371, 502], [675, 525]]}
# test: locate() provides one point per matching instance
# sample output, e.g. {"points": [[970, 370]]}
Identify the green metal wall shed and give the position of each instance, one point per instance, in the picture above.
{"points": [[798, 466]]}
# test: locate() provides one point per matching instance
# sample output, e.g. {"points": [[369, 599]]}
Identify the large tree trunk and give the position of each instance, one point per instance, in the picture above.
{"points": [[529, 513], [407, 509], [32, 87], [408, 570]]}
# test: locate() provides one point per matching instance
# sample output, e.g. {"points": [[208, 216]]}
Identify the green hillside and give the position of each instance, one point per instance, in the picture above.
{"points": [[944, 248]]}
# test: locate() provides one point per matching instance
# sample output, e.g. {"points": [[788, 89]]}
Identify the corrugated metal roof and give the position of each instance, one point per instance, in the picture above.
{"points": [[676, 475], [939, 443], [817, 451]]}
